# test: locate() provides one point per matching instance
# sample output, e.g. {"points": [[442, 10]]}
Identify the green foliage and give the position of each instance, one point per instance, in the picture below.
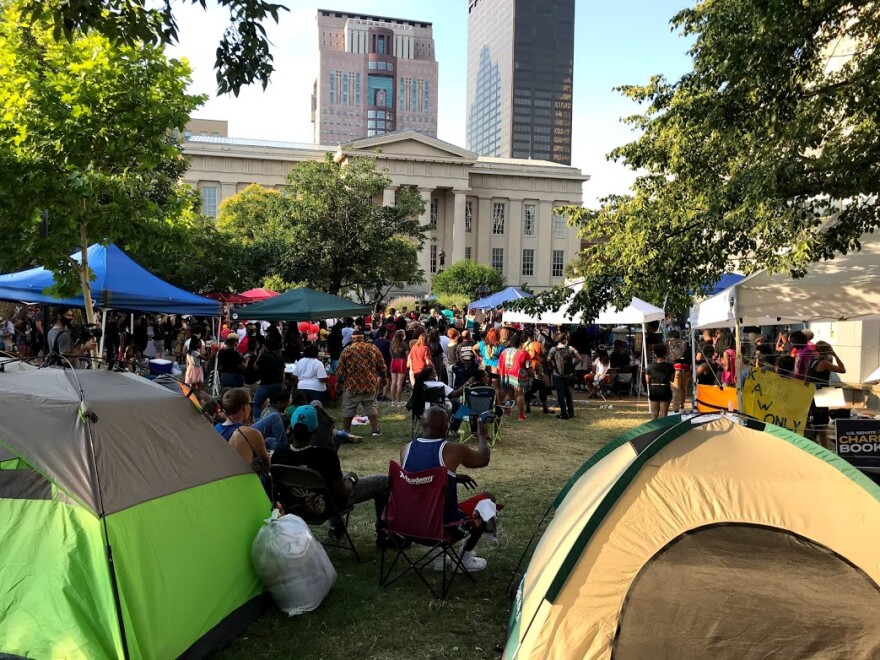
{"points": [[746, 160], [396, 265], [450, 300], [410, 302], [243, 55], [84, 135], [464, 277]]}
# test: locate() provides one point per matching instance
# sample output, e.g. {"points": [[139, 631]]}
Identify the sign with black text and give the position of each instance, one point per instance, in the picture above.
{"points": [[858, 441]]}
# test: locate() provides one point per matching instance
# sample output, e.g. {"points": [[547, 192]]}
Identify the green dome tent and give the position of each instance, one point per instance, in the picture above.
{"points": [[97, 465], [706, 537]]}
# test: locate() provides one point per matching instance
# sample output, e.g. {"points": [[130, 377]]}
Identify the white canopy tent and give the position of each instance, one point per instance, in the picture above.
{"points": [[638, 312], [846, 288]]}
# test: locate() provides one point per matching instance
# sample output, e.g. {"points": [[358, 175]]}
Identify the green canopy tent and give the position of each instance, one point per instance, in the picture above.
{"points": [[302, 304], [126, 520]]}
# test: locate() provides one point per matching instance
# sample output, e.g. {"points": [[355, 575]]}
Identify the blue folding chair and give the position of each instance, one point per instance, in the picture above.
{"points": [[478, 400]]}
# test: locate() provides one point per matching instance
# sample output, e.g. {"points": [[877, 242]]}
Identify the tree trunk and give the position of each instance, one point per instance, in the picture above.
{"points": [[85, 280]]}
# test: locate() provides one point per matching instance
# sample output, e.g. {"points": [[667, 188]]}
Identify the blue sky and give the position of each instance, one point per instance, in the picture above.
{"points": [[615, 43]]}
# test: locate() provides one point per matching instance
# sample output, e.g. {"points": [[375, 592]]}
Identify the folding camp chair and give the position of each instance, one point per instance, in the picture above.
{"points": [[606, 385], [434, 396], [478, 400], [625, 382], [311, 499], [414, 527]]}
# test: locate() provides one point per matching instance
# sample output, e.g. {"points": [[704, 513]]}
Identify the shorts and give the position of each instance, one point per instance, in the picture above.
{"points": [[352, 400], [398, 365], [660, 393]]}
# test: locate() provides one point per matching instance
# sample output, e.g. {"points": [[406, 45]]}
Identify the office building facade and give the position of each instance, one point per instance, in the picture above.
{"points": [[376, 75], [519, 78]]}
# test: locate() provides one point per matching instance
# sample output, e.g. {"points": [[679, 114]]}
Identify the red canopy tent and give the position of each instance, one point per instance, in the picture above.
{"points": [[229, 298], [256, 295]]}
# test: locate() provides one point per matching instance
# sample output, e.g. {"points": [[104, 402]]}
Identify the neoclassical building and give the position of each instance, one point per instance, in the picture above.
{"points": [[498, 211]]}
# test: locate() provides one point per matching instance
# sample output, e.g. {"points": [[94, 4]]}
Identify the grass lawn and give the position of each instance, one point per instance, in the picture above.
{"points": [[359, 620]]}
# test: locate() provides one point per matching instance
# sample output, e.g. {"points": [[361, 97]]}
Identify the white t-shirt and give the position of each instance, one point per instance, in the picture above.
{"points": [[599, 369], [309, 371]]}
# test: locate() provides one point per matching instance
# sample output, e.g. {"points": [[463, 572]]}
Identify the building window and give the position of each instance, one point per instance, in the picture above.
{"points": [[560, 226], [401, 94], [433, 258], [426, 96], [498, 218], [529, 219], [345, 88], [498, 259], [558, 263], [209, 201], [467, 252], [435, 213], [332, 87], [414, 100], [528, 263], [468, 217], [371, 65], [357, 89], [380, 45]]}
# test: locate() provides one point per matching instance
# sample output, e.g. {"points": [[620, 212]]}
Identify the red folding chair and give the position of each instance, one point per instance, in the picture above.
{"points": [[413, 518]]}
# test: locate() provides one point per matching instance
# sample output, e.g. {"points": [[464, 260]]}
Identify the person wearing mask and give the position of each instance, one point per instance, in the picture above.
{"points": [[61, 344]]}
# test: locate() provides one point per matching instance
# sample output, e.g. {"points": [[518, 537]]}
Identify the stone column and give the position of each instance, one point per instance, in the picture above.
{"points": [[388, 197], [483, 230], [543, 256], [425, 220], [459, 237], [513, 255]]}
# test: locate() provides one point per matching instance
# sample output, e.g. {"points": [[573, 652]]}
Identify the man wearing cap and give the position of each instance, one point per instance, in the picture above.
{"points": [[347, 489], [361, 371]]}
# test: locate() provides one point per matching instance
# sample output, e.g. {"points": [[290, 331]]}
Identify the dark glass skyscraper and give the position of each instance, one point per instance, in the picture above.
{"points": [[520, 70]]}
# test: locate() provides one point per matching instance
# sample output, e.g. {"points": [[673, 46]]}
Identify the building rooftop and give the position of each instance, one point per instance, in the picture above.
{"points": [[250, 142], [370, 17]]}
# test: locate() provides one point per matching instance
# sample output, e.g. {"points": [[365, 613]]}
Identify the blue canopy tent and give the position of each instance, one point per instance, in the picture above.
{"points": [[499, 298], [119, 283], [726, 281]]}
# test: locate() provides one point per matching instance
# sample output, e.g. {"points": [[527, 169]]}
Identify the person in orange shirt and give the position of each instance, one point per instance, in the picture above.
{"points": [[541, 381], [419, 357]]}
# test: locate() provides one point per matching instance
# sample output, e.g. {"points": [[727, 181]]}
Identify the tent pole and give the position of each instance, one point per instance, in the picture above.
{"points": [[693, 368], [104, 313], [644, 361], [738, 364]]}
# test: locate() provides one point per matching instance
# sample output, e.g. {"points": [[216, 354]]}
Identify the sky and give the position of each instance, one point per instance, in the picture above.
{"points": [[616, 43]]}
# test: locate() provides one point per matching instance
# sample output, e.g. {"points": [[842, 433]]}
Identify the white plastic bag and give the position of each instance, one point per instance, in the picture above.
{"points": [[292, 563]]}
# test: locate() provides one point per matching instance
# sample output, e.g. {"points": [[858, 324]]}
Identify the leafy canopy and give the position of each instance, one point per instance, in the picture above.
{"points": [[85, 135], [742, 160], [243, 54], [464, 278], [327, 231]]}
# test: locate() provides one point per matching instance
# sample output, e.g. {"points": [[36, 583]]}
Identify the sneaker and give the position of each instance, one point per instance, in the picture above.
{"points": [[376, 433], [522, 417], [471, 563], [561, 416]]}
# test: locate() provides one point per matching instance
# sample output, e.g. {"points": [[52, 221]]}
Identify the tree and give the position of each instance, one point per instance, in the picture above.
{"points": [[464, 278], [86, 130], [336, 237], [396, 266], [243, 54], [743, 159]]}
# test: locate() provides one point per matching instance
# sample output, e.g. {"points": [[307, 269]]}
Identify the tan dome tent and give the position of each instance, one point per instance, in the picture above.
{"points": [[706, 537]]}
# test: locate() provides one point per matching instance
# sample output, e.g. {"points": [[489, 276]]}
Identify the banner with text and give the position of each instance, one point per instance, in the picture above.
{"points": [[858, 441], [777, 400]]}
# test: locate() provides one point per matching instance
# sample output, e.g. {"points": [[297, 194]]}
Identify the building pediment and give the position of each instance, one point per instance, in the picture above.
{"points": [[407, 145]]}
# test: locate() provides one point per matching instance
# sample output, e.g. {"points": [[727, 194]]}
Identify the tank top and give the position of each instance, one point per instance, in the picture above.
{"points": [[426, 454], [820, 378]]}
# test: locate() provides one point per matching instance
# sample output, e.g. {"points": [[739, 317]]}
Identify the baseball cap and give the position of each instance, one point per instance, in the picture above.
{"points": [[305, 415]]}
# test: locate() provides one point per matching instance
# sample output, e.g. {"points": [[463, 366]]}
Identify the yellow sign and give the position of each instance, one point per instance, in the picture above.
{"points": [[777, 400]]}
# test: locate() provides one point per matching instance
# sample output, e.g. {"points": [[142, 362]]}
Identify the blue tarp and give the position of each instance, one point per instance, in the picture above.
{"points": [[499, 298], [727, 280], [119, 283]]}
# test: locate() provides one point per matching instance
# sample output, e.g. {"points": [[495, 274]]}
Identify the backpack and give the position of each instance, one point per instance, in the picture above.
{"points": [[562, 362]]}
